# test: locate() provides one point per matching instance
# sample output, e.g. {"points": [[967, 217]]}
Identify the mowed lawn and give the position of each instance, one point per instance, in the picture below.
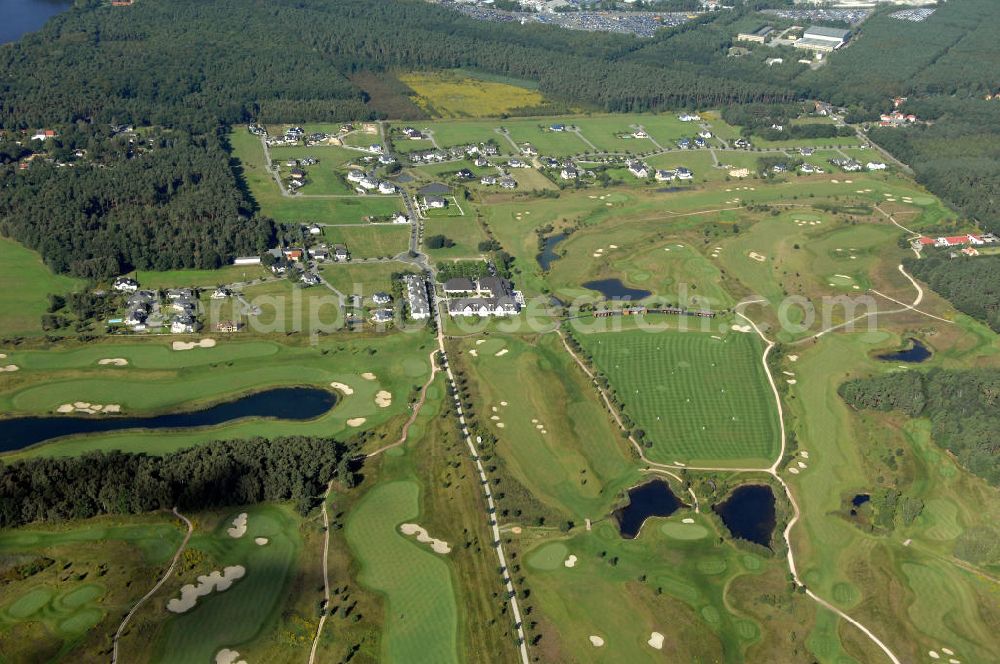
{"points": [[25, 283], [421, 617], [370, 241], [699, 399]]}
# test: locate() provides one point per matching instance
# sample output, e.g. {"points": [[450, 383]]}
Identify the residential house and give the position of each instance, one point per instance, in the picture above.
{"points": [[400, 218], [558, 127], [386, 188], [368, 183], [381, 298], [228, 326], [507, 182], [125, 285], [221, 293], [340, 253], [355, 176], [310, 279], [382, 316], [416, 296], [664, 175], [568, 173], [488, 180], [875, 166], [683, 173], [638, 169], [434, 202]]}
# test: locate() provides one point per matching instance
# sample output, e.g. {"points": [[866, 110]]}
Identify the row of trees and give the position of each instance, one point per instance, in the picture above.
{"points": [[220, 473]]}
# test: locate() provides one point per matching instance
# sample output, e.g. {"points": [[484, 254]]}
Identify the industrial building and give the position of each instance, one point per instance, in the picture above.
{"points": [[760, 35], [823, 39]]}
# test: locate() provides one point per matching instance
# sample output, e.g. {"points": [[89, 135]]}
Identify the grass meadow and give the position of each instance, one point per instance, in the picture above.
{"points": [[25, 282], [458, 95], [370, 241]]}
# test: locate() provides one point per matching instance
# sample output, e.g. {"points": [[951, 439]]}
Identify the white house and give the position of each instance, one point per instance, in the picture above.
{"points": [[126, 285], [638, 169], [386, 188], [368, 183], [665, 176], [683, 173], [355, 176], [400, 218], [688, 117], [246, 260], [875, 166], [434, 202], [568, 173]]}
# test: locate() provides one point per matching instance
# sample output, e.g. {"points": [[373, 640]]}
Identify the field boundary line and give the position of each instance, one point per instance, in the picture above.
{"points": [[326, 573], [163, 579]]}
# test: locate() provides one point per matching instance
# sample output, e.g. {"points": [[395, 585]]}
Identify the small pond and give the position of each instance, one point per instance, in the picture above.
{"points": [[749, 514], [549, 254], [644, 501], [917, 352], [614, 289], [287, 403], [860, 499]]}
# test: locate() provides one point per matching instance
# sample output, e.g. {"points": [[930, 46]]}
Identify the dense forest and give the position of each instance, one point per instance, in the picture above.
{"points": [[972, 285], [963, 407], [216, 474]]}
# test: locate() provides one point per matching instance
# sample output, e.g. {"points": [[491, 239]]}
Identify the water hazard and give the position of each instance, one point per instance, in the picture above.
{"points": [[287, 403], [749, 513], [647, 500]]}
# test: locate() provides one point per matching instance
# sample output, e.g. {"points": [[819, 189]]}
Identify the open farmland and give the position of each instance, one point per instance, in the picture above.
{"points": [[699, 399]]}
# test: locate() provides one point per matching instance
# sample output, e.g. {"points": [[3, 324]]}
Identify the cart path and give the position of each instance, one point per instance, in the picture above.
{"points": [[163, 579]]}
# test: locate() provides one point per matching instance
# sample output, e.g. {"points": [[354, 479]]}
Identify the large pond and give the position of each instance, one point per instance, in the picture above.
{"points": [[287, 403], [614, 289], [917, 352], [18, 17], [748, 513], [549, 251], [647, 500]]}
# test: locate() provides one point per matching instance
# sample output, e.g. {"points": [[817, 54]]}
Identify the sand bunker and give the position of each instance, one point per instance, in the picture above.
{"points": [[741, 328], [687, 520], [791, 381], [346, 389], [570, 562], [215, 582], [368, 375], [503, 403], [596, 641], [239, 528], [356, 421], [438, 546], [480, 341], [501, 352], [88, 408], [757, 257], [260, 541], [500, 425], [114, 361], [188, 345], [383, 399], [656, 640], [474, 353], [227, 656], [793, 358], [516, 530], [793, 471], [9, 367]]}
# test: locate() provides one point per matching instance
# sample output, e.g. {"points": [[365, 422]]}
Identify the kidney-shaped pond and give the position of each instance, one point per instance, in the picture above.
{"points": [[614, 289], [644, 501], [287, 403], [748, 513]]}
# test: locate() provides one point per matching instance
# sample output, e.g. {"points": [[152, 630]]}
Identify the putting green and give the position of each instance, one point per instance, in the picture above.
{"points": [[82, 595], [421, 617], [549, 557], [30, 603], [684, 531], [81, 621]]}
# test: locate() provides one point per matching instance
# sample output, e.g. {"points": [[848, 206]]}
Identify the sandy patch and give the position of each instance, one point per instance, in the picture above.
{"points": [[741, 328], [480, 341], [188, 345], [495, 418], [801, 465], [788, 373], [438, 546], [501, 352], [612, 246], [835, 181], [9, 367], [539, 426], [227, 656], [207, 584], [260, 541], [3, 356], [114, 361], [805, 455], [655, 640], [503, 403], [474, 353], [346, 389], [570, 562], [933, 655], [383, 399], [88, 408], [793, 358], [757, 257], [687, 520], [239, 528], [793, 471], [500, 425], [368, 375], [516, 530], [596, 641], [356, 421], [791, 381]]}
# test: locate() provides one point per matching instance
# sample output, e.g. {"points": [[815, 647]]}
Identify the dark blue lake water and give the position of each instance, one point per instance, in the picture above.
{"points": [[647, 500], [286, 403], [18, 17], [614, 289], [549, 251], [748, 513], [917, 352]]}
